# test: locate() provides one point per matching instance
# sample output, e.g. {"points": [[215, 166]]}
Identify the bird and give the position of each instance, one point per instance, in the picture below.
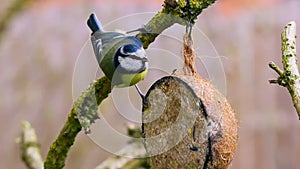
{"points": [[121, 57]]}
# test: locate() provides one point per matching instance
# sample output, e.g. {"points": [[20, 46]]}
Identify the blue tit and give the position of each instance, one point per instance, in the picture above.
{"points": [[121, 57]]}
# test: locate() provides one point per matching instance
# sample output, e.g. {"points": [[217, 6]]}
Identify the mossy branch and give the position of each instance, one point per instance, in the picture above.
{"points": [[174, 11], [289, 76], [86, 104]]}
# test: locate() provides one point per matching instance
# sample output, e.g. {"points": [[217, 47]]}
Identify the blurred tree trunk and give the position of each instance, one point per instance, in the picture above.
{"points": [[14, 9]]}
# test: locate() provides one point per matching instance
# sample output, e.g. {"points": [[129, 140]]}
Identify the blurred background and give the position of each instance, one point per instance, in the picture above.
{"points": [[39, 47]]}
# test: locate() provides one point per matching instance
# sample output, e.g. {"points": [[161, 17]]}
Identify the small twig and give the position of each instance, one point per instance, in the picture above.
{"points": [[289, 77], [30, 149], [125, 162], [273, 66], [134, 149], [127, 158], [279, 80]]}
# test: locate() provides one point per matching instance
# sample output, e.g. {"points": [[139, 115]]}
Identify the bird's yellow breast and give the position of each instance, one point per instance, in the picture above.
{"points": [[125, 80]]}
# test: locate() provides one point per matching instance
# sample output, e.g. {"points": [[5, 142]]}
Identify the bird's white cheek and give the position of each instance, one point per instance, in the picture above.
{"points": [[141, 53], [130, 64], [146, 64]]}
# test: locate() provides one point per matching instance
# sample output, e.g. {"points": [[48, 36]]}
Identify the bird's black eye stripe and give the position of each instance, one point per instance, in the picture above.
{"points": [[134, 57], [119, 54], [129, 53]]}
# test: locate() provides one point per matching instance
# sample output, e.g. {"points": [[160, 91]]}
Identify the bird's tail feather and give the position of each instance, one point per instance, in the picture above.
{"points": [[94, 23]]}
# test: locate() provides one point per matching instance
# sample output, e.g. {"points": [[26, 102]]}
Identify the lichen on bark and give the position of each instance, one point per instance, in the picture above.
{"points": [[289, 77], [174, 11], [85, 110]]}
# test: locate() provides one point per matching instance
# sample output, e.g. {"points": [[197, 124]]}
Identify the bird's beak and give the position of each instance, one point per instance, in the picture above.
{"points": [[145, 59]]}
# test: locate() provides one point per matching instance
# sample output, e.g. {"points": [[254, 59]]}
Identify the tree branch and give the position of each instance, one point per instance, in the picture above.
{"points": [[30, 149], [127, 159], [289, 77], [135, 148], [84, 110], [174, 11]]}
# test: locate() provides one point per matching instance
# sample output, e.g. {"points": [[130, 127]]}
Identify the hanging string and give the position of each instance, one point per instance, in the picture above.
{"points": [[188, 52]]}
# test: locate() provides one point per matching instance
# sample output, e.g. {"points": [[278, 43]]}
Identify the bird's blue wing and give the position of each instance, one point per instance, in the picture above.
{"points": [[104, 41]]}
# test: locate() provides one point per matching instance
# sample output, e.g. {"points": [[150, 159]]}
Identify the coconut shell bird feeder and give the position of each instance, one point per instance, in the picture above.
{"points": [[187, 122]]}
